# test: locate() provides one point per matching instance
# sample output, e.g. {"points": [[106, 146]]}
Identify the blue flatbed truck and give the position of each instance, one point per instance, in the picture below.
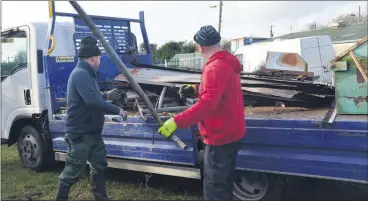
{"points": [[279, 142]]}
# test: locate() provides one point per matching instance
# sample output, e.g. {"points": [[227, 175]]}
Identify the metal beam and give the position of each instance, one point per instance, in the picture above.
{"points": [[149, 167], [167, 109], [60, 14]]}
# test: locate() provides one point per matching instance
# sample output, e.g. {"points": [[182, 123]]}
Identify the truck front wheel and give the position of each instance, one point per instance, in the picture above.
{"points": [[256, 186], [31, 148]]}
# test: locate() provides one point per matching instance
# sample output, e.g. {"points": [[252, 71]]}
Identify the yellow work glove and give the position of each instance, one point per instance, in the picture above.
{"points": [[168, 128]]}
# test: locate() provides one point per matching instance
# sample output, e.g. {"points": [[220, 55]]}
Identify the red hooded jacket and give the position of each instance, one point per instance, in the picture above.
{"points": [[220, 107]]}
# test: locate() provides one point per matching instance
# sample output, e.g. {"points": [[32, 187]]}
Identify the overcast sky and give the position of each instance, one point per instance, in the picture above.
{"points": [[179, 20]]}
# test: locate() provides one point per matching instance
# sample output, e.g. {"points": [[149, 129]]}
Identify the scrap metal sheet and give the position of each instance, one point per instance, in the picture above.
{"points": [[272, 89], [272, 92], [147, 75]]}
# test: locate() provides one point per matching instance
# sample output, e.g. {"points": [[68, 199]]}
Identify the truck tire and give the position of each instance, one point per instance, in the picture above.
{"points": [[256, 186], [31, 148]]}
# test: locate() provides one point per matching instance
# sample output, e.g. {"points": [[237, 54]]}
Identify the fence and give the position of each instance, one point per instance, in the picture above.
{"points": [[186, 61], [191, 61]]}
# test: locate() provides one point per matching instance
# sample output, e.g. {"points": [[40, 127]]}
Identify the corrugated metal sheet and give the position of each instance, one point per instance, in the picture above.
{"points": [[256, 90], [351, 32]]}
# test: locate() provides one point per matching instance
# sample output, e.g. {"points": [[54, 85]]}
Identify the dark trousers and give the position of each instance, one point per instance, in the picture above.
{"points": [[83, 148], [219, 171]]}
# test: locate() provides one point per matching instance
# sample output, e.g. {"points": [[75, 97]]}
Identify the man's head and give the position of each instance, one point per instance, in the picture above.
{"points": [[208, 41], [90, 52]]}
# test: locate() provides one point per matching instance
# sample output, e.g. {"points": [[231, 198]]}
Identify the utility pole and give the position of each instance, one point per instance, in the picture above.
{"points": [[271, 33], [220, 17], [291, 29], [359, 16]]}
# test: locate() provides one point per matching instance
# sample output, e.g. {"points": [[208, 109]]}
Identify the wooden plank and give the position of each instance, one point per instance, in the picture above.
{"points": [[350, 49], [357, 63]]}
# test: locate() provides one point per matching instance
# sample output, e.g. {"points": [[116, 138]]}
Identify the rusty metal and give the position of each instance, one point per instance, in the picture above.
{"points": [[358, 100], [267, 89], [277, 83], [176, 79], [286, 62]]}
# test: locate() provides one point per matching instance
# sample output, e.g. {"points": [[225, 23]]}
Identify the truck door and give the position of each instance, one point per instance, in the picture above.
{"points": [[15, 76]]}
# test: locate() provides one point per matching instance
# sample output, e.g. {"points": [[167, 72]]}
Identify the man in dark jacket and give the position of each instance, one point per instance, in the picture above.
{"points": [[219, 111], [84, 123]]}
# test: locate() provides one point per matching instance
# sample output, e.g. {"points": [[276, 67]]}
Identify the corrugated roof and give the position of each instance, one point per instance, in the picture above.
{"points": [[249, 37], [351, 32]]}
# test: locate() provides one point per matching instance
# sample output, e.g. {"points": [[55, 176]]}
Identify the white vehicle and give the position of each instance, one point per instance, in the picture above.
{"points": [[317, 51], [22, 72]]}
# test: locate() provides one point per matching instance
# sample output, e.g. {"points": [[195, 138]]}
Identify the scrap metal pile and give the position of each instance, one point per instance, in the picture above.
{"points": [[259, 89]]}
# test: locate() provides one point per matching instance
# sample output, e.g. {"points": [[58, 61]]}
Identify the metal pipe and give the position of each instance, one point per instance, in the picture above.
{"points": [[161, 100], [113, 55], [168, 109]]}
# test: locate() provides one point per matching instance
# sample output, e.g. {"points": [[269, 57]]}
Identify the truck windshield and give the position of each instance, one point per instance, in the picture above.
{"points": [[14, 52]]}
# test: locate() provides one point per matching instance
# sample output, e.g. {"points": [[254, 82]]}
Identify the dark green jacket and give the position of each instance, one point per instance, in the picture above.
{"points": [[86, 106]]}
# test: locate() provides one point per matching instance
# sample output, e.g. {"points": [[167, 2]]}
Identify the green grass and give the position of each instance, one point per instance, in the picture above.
{"points": [[16, 181]]}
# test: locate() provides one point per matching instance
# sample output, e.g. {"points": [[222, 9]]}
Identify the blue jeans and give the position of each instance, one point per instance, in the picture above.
{"points": [[219, 171]]}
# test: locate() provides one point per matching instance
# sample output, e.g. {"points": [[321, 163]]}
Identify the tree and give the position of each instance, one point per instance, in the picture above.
{"points": [[226, 45], [312, 26], [350, 19], [347, 19], [6, 67], [142, 48], [169, 49], [21, 57], [188, 47]]}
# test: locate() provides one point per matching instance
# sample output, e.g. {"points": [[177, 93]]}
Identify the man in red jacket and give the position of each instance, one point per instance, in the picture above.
{"points": [[219, 111]]}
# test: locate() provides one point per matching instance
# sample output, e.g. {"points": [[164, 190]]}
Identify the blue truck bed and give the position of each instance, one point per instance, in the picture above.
{"points": [[278, 140]]}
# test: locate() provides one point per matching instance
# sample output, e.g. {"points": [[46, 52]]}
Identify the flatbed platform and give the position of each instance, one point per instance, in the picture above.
{"points": [[297, 113]]}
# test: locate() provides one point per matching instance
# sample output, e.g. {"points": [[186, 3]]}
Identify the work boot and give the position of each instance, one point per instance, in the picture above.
{"points": [[62, 192], [98, 187]]}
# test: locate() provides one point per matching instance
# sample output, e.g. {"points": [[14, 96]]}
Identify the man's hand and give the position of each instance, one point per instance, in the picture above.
{"points": [[123, 114], [114, 95], [186, 90], [168, 128]]}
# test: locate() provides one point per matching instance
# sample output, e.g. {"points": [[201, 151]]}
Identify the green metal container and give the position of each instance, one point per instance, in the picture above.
{"points": [[351, 86]]}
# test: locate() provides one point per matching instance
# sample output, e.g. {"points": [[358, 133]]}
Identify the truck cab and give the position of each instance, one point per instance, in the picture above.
{"points": [[22, 81]]}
